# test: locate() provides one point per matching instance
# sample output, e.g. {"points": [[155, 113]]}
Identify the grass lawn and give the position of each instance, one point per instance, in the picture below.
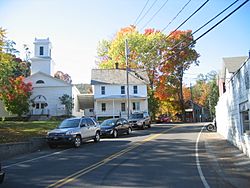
{"points": [[17, 131]]}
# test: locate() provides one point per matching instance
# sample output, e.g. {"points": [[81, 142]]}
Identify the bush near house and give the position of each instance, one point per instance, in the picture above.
{"points": [[18, 131]]}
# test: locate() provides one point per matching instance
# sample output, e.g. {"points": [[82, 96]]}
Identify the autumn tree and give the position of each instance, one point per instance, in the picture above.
{"points": [[16, 95], [14, 92], [163, 57], [177, 59], [63, 76]]}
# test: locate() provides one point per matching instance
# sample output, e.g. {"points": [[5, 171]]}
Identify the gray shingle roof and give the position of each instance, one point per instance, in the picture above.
{"points": [[118, 76], [233, 63]]}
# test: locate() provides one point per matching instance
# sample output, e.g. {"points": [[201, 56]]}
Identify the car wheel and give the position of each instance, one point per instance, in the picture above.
{"points": [[77, 142], [143, 126], [97, 137], [115, 134], [52, 146], [129, 131]]}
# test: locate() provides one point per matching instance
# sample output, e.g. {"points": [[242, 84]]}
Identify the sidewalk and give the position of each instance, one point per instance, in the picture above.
{"points": [[232, 165]]}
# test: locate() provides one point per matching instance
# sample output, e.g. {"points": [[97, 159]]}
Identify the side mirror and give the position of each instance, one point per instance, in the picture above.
{"points": [[83, 125]]}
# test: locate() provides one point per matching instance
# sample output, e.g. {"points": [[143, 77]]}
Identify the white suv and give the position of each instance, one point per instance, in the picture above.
{"points": [[74, 131]]}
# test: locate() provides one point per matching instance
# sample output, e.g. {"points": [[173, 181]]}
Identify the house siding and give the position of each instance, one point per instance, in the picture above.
{"points": [[116, 90], [228, 109]]}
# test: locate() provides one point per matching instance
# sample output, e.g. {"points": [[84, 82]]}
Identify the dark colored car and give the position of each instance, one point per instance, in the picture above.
{"points": [[1, 174], [115, 126]]}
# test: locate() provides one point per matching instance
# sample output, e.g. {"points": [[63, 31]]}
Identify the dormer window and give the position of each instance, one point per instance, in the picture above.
{"points": [[39, 82], [41, 50]]}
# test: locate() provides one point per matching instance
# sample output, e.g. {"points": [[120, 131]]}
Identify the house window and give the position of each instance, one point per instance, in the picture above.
{"points": [[245, 121], [122, 89], [136, 106], [103, 107], [224, 87], [103, 90], [39, 82], [135, 89], [247, 80], [41, 52], [123, 107]]}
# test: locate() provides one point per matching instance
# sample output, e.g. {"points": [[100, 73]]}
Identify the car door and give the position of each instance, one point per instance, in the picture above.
{"points": [[119, 126], [125, 125], [84, 128], [91, 127]]}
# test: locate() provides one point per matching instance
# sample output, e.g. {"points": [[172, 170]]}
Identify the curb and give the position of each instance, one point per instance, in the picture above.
{"points": [[13, 149]]}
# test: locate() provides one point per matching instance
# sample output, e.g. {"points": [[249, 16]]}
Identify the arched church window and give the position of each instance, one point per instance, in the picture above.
{"points": [[39, 82]]}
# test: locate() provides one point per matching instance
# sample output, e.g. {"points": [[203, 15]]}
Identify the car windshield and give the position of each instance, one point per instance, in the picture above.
{"points": [[108, 122], [136, 116], [69, 123]]}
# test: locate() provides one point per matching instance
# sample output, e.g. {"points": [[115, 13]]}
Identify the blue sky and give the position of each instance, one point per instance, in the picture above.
{"points": [[75, 27]]}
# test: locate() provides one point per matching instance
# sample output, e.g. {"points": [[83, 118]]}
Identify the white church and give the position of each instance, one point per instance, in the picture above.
{"points": [[47, 89]]}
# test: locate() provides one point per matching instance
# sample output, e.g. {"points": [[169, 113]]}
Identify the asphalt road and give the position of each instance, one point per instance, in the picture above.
{"points": [[162, 156]]}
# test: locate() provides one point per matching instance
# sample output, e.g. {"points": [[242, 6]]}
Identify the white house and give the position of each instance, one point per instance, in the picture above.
{"points": [[110, 92], [232, 110]]}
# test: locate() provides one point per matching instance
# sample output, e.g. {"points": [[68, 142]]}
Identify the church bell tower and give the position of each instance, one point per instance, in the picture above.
{"points": [[42, 62]]}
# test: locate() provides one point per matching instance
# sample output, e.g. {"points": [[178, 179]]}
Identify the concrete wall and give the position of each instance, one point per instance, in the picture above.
{"points": [[13, 149], [230, 106]]}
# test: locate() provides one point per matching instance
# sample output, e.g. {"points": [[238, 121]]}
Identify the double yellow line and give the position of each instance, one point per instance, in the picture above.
{"points": [[80, 173]]}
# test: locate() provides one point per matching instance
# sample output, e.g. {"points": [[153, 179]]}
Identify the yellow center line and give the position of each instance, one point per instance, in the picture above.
{"points": [[86, 170]]}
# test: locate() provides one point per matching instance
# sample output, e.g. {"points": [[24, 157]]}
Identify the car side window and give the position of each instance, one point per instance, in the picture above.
{"points": [[124, 121], [83, 123], [119, 122], [90, 122]]}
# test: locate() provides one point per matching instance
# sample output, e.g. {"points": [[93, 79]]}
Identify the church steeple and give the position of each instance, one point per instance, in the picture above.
{"points": [[42, 57], [42, 47]]}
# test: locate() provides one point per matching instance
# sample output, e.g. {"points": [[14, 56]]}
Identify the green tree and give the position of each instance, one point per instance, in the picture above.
{"points": [[68, 102]]}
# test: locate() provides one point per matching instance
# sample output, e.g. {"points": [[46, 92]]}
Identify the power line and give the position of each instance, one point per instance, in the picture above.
{"points": [[177, 15], [215, 17], [155, 14], [221, 21], [197, 10], [207, 22], [218, 23], [141, 12], [146, 12]]}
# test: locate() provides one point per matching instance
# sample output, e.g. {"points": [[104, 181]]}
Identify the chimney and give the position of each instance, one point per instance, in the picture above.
{"points": [[116, 65]]}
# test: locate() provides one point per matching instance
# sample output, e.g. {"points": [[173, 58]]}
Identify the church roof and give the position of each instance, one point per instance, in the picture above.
{"points": [[48, 76]]}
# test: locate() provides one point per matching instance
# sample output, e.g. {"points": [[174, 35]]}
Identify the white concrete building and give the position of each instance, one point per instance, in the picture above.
{"points": [[232, 110], [110, 92]]}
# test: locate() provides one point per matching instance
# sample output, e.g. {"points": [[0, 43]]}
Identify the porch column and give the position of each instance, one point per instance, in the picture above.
{"points": [[113, 108]]}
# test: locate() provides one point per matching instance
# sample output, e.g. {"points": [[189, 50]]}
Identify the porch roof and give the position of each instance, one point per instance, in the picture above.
{"points": [[86, 101], [121, 97]]}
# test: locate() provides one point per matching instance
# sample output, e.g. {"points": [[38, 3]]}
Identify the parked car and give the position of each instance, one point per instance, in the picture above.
{"points": [[140, 120], [115, 126], [74, 131], [164, 118], [2, 173]]}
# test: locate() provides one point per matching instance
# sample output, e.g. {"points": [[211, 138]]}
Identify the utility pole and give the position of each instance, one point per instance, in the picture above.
{"points": [[126, 54], [191, 93]]}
